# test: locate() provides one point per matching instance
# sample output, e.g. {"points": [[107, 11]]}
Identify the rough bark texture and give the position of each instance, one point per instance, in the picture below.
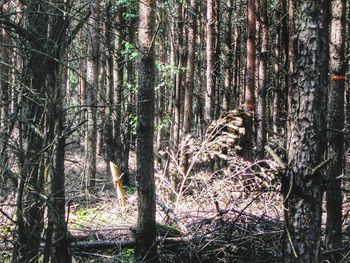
{"points": [[228, 52], [190, 67], [187, 122], [306, 143], [250, 80], [261, 108], [5, 102], [211, 60], [335, 125], [145, 236]]}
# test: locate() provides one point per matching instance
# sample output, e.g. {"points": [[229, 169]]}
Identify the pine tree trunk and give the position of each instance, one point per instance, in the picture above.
{"points": [[211, 61], [261, 107], [250, 84], [145, 236], [228, 52], [93, 66], [302, 182], [335, 149]]}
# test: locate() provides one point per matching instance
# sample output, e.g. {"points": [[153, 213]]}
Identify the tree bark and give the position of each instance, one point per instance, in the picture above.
{"points": [[302, 182], [211, 60], [335, 149], [261, 107], [228, 52], [250, 81], [145, 236], [91, 96]]}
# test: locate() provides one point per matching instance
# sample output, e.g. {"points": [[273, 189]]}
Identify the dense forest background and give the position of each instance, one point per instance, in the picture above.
{"points": [[174, 131]]}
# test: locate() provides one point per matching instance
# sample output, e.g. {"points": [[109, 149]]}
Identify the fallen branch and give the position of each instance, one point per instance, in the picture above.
{"points": [[275, 157], [101, 244], [169, 212]]}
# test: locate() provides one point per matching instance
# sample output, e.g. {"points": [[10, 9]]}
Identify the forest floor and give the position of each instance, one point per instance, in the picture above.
{"points": [[226, 216], [230, 215]]}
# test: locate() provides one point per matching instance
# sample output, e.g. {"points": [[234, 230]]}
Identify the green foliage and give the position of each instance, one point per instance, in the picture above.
{"points": [[165, 122], [130, 51], [130, 189], [133, 123], [127, 255], [5, 230], [167, 69]]}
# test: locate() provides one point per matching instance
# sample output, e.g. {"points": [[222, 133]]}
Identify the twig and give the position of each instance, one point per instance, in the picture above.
{"points": [[275, 157], [320, 166]]}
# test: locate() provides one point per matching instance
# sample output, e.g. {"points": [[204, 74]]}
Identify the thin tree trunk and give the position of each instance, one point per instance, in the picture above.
{"points": [[187, 122], [211, 61], [250, 84], [145, 236], [5, 93], [261, 108], [93, 66], [228, 51]]}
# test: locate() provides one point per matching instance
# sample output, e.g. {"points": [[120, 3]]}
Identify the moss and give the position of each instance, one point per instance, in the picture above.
{"points": [[163, 229]]}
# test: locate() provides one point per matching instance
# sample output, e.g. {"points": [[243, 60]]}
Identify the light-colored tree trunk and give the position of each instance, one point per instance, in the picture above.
{"points": [[93, 66], [211, 35]]}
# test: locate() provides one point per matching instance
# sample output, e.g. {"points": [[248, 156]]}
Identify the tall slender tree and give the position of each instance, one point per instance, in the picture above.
{"points": [[187, 122], [146, 248], [335, 149], [211, 57], [93, 66], [302, 182], [249, 102], [263, 58], [228, 52]]}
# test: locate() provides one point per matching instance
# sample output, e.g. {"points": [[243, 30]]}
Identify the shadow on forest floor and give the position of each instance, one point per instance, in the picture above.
{"points": [[229, 216]]}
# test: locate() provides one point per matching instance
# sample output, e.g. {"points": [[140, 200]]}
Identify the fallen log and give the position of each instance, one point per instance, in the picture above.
{"points": [[100, 244]]}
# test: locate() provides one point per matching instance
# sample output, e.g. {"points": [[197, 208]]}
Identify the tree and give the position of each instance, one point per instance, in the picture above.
{"points": [[43, 162], [211, 71], [302, 182], [57, 243], [335, 149], [187, 122], [93, 67], [228, 51], [250, 80], [145, 236], [262, 83], [5, 93]]}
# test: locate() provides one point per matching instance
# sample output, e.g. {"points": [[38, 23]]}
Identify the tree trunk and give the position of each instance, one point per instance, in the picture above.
{"points": [[5, 93], [250, 84], [30, 204], [335, 148], [302, 182], [93, 66], [261, 108], [228, 52], [187, 122], [211, 60], [145, 236]]}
